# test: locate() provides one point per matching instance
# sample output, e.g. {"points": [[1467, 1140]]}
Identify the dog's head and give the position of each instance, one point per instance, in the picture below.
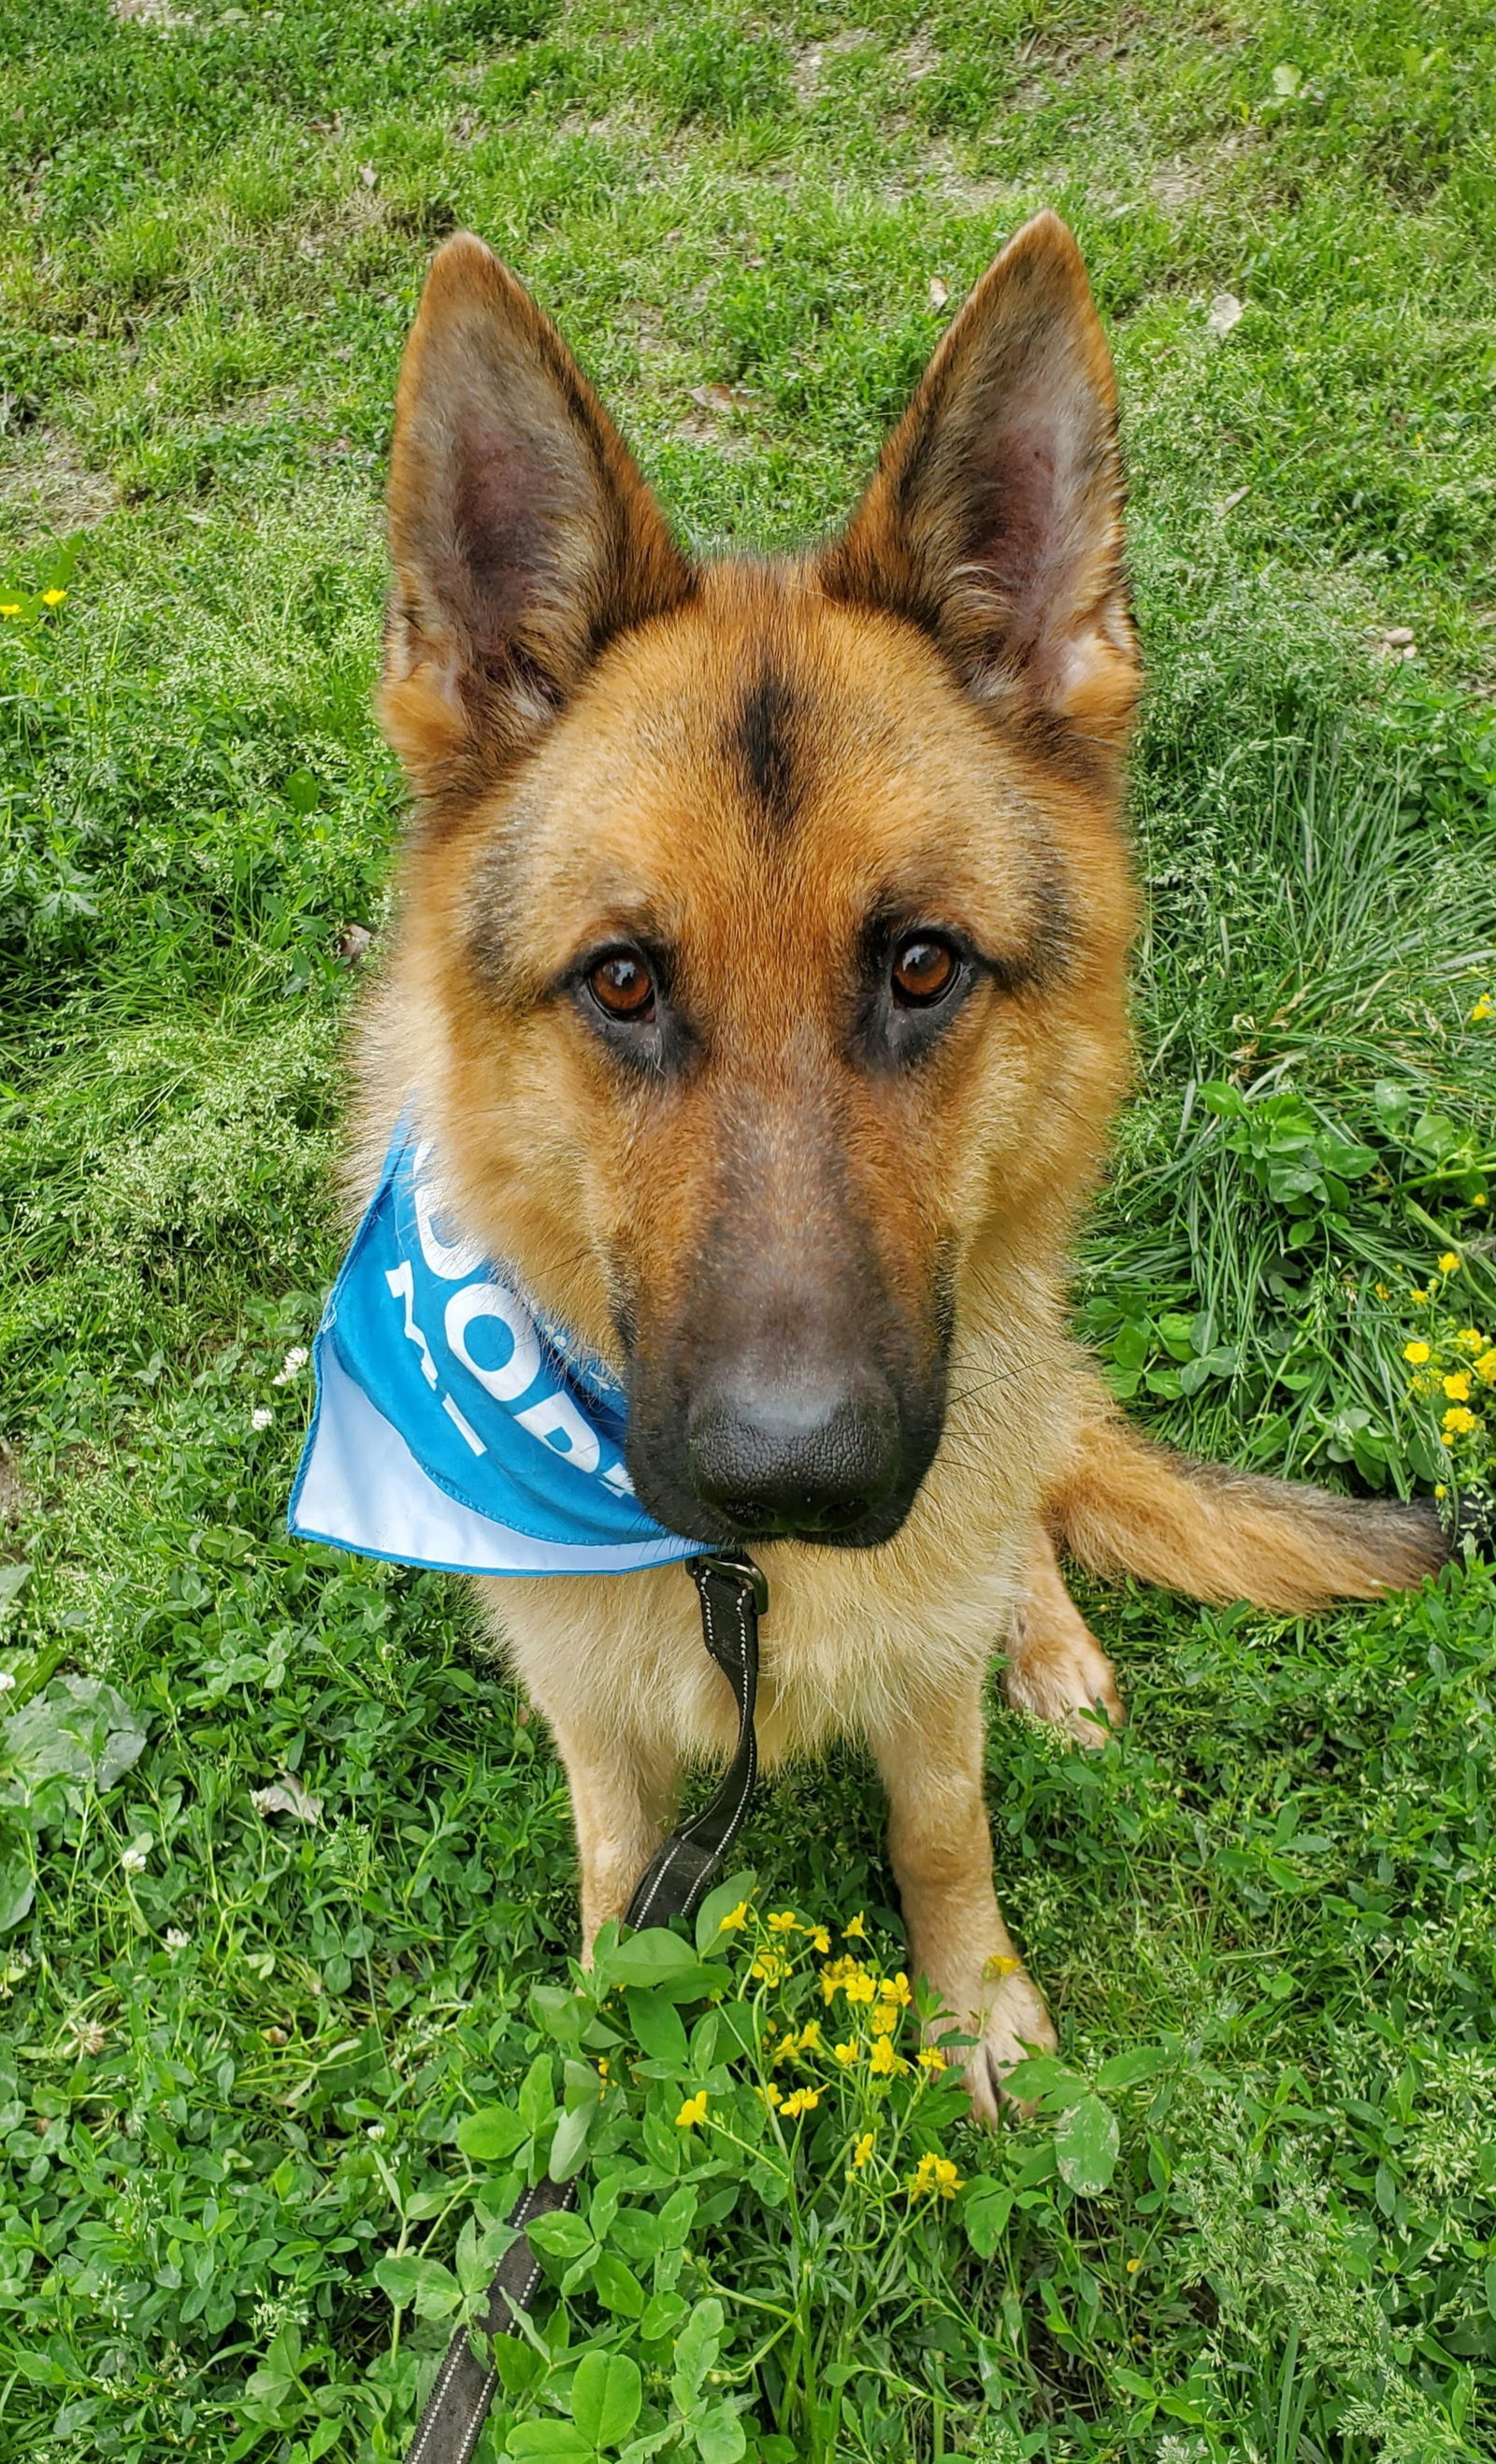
{"points": [[765, 926]]}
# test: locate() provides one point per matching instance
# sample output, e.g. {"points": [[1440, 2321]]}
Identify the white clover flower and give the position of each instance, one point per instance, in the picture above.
{"points": [[7, 1680], [262, 1418], [176, 1940], [294, 1362], [133, 1859]]}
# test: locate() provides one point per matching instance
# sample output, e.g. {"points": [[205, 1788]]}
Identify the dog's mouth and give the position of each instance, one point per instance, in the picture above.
{"points": [[760, 1525]]}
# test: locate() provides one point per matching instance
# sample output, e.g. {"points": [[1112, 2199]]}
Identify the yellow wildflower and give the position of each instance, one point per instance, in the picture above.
{"points": [[884, 2019], [860, 1987], [1458, 1387], [735, 1918], [1382, 1294], [1458, 1422], [9, 607], [1448, 1262], [1471, 1339], [789, 2043], [810, 2038], [783, 1921], [883, 2062], [834, 1976], [1482, 1009], [999, 1966], [1418, 1294], [769, 1966], [1439, 1489], [53, 598], [845, 2053], [1479, 1200], [1416, 1351], [861, 2151], [929, 2058], [936, 2173], [803, 2100], [1486, 1367], [819, 1939], [692, 2111], [771, 2095], [897, 1988], [856, 1932], [1132, 2266]]}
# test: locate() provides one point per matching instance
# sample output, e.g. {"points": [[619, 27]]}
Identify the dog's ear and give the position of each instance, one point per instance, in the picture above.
{"points": [[522, 533], [994, 519]]}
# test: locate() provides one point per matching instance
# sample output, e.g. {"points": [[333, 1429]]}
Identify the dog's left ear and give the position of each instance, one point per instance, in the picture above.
{"points": [[994, 519], [521, 533]]}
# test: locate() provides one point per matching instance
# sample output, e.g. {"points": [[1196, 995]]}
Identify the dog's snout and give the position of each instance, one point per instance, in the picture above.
{"points": [[778, 1460], [793, 1388]]}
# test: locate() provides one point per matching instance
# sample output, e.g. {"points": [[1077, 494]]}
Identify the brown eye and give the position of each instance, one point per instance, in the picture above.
{"points": [[923, 969], [622, 986]]}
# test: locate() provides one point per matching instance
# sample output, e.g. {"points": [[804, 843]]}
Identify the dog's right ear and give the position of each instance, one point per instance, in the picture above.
{"points": [[522, 533]]}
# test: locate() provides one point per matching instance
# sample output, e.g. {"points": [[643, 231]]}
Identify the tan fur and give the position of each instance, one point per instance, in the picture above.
{"points": [[955, 678], [1056, 1669], [1122, 1505]]}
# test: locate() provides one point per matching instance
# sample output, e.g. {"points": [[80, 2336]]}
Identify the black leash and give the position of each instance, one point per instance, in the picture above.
{"points": [[734, 1596]]}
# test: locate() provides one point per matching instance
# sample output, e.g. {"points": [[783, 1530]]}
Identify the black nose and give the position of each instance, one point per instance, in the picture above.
{"points": [[777, 1459]]}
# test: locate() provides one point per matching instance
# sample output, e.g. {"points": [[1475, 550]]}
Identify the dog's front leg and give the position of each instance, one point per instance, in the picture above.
{"points": [[941, 1852], [623, 1799], [1056, 1669]]}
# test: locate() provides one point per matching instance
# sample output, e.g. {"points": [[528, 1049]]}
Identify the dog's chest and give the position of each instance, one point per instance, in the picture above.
{"points": [[847, 1648]]}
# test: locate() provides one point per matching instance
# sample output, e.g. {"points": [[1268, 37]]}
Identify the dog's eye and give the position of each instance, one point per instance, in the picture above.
{"points": [[924, 969], [622, 986]]}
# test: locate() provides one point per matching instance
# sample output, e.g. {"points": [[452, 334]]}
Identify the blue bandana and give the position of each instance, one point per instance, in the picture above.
{"points": [[456, 1425]]}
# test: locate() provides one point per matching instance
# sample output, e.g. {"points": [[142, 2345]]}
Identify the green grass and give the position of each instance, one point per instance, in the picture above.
{"points": [[238, 2048]]}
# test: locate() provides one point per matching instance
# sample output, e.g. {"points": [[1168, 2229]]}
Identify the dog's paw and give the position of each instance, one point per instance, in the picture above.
{"points": [[1069, 1680], [1015, 2024]]}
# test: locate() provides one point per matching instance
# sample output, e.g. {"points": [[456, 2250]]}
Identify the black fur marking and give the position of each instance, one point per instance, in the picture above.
{"points": [[1049, 952], [763, 743]]}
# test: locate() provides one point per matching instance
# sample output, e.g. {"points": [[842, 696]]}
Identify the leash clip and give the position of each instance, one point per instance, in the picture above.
{"points": [[738, 1569]]}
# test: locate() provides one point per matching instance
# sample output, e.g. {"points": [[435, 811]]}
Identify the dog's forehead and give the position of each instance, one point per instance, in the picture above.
{"points": [[765, 740]]}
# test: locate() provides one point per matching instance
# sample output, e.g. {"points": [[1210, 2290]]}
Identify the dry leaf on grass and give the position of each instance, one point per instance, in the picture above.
{"points": [[717, 397], [286, 1796]]}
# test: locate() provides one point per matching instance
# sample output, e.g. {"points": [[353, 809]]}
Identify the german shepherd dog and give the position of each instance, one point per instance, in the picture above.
{"points": [[760, 975]]}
